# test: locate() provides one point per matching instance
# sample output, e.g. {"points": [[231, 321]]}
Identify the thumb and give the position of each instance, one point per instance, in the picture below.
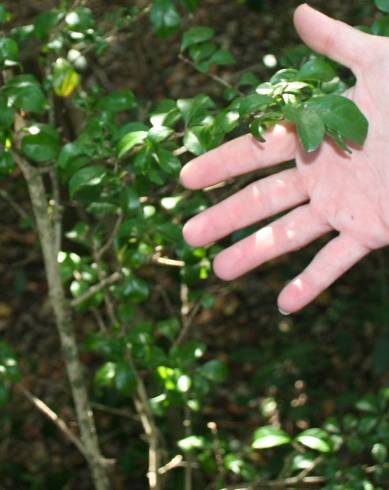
{"points": [[332, 38]]}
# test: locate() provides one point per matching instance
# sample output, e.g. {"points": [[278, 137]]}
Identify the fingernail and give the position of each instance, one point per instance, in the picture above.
{"points": [[283, 312]]}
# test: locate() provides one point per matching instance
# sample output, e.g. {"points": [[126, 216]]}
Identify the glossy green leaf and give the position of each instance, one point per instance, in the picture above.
{"points": [[165, 113], [382, 5], [196, 35], [190, 443], [169, 328], [268, 437], [24, 92], [341, 114], [157, 134], [9, 52], [80, 19], [195, 110], [254, 103], [72, 157], [165, 18], [316, 439], [215, 371], [379, 453], [105, 376], [317, 70], [129, 141], [41, 144], [44, 23], [202, 52], [381, 26], [65, 78], [309, 125], [257, 129], [195, 140], [7, 163], [222, 57], [86, 177], [125, 381], [118, 101], [7, 114], [133, 289], [168, 161]]}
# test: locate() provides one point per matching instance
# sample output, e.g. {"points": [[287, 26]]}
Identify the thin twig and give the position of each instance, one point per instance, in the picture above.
{"points": [[214, 77], [99, 253], [115, 411], [166, 261], [50, 414], [108, 281], [175, 462]]}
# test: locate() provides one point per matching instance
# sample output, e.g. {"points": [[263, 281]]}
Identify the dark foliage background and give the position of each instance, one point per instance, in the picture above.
{"points": [[295, 372]]}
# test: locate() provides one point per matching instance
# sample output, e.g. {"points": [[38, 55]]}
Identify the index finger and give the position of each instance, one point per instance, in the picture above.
{"points": [[240, 156]]}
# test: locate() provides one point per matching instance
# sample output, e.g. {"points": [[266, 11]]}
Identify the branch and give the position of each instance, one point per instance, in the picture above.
{"points": [[99, 253], [166, 261], [51, 415], [112, 279], [215, 78]]}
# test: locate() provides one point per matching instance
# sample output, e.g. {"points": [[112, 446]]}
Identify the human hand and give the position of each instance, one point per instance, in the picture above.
{"points": [[328, 189]]}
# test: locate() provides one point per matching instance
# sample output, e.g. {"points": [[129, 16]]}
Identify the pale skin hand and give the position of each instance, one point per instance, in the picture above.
{"points": [[327, 190]]}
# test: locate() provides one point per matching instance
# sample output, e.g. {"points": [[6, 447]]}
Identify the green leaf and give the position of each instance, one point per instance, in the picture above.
{"points": [[105, 376], [5, 16], [65, 78], [125, 381], [164, 17], [7, 114], [316, 439], [41, 144], [379, 453], [381, 26], [254, 103], [169, 328], [86, 177], [382, 5], [24, 92], [268, 437], [9, 52], [45, 22], [317, 70], [190, 443], [215, 371], [118, 101], [201, 52], [342, 115], [191, 5], [196, 35], [80, 19], [129, 141], [257, 129], [165, 114], [195, 140], [7, 164], [168, 161], [222, 57], [72, 157], [157, 134], [309, 125], [196, 109], [133, 289]]}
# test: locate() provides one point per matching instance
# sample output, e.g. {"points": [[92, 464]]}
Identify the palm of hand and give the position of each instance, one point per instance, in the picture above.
{"points": [[328, 190]]}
